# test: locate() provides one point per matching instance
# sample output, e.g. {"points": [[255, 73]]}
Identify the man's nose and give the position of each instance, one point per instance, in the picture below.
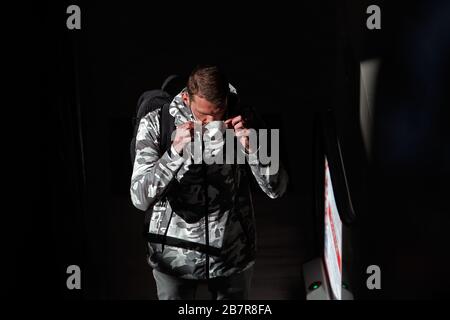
{"points": [[210, 118]]}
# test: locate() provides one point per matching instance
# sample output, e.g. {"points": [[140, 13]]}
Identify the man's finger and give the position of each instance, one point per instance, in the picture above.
{"points": [[239, 125], [186, 125], [189, 125], [242, 133], [236, 120]]}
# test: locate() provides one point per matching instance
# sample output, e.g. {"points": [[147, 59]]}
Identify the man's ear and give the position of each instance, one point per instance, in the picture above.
{"points": [[185, 97]]}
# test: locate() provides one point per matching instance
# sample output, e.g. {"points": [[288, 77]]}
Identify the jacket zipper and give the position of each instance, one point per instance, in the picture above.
{"points": [[237, 207], [205, 186]]}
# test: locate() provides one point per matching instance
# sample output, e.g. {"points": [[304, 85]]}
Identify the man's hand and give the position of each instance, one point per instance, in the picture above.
{"points": [[241, 131], [184, 134]]}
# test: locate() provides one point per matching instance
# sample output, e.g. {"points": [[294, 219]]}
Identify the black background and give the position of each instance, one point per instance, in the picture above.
{"points": [[291, 62]]}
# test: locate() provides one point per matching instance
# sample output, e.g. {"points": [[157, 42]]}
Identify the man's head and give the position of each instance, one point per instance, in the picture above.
{"points": [[207, 91]]}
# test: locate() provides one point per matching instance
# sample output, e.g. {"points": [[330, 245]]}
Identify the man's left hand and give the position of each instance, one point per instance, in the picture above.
{"points": [[241, 130]]}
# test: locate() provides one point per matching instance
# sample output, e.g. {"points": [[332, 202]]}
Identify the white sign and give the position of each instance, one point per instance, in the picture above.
{"points": [[333, 238]]}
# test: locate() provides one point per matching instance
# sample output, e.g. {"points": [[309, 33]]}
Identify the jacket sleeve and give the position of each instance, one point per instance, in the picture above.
{"points": [[152, 172], [273, 184]]}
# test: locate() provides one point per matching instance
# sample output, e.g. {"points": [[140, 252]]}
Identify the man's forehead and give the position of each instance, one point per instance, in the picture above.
{"points": [[199, 100], [197, 97]]}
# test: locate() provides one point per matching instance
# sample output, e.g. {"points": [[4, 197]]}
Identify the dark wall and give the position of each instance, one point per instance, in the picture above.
{"points": [[282, 61], [290, 62]]}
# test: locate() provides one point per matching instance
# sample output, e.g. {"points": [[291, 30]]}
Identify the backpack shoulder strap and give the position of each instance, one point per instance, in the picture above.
{"points": [[166, 127]]}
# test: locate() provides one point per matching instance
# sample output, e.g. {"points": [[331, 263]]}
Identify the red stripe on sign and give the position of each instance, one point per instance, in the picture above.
{"points": [[333, 232]]}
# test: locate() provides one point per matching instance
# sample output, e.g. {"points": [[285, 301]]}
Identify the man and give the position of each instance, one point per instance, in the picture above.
{"points": [[202, 222]]}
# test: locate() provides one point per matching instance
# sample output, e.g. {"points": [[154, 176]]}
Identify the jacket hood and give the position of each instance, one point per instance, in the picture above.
{"points": [[181, 112]]}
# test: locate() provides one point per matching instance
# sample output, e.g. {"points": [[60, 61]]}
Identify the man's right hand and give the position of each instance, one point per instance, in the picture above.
{"points": [[184, 134]]}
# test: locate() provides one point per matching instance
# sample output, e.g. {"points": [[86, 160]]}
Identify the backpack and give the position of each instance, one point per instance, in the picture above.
{"points": [[149, 101]]}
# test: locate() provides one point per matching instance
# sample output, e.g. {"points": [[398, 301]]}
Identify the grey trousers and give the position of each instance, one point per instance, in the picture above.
{"points": [[234, 287]]}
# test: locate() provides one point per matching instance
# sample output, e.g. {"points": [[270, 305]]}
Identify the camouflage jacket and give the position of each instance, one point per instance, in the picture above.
{"points": [[220, 240]]}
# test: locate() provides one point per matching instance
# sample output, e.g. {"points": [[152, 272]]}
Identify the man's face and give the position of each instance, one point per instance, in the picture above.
{"points": [[202, 109]]}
